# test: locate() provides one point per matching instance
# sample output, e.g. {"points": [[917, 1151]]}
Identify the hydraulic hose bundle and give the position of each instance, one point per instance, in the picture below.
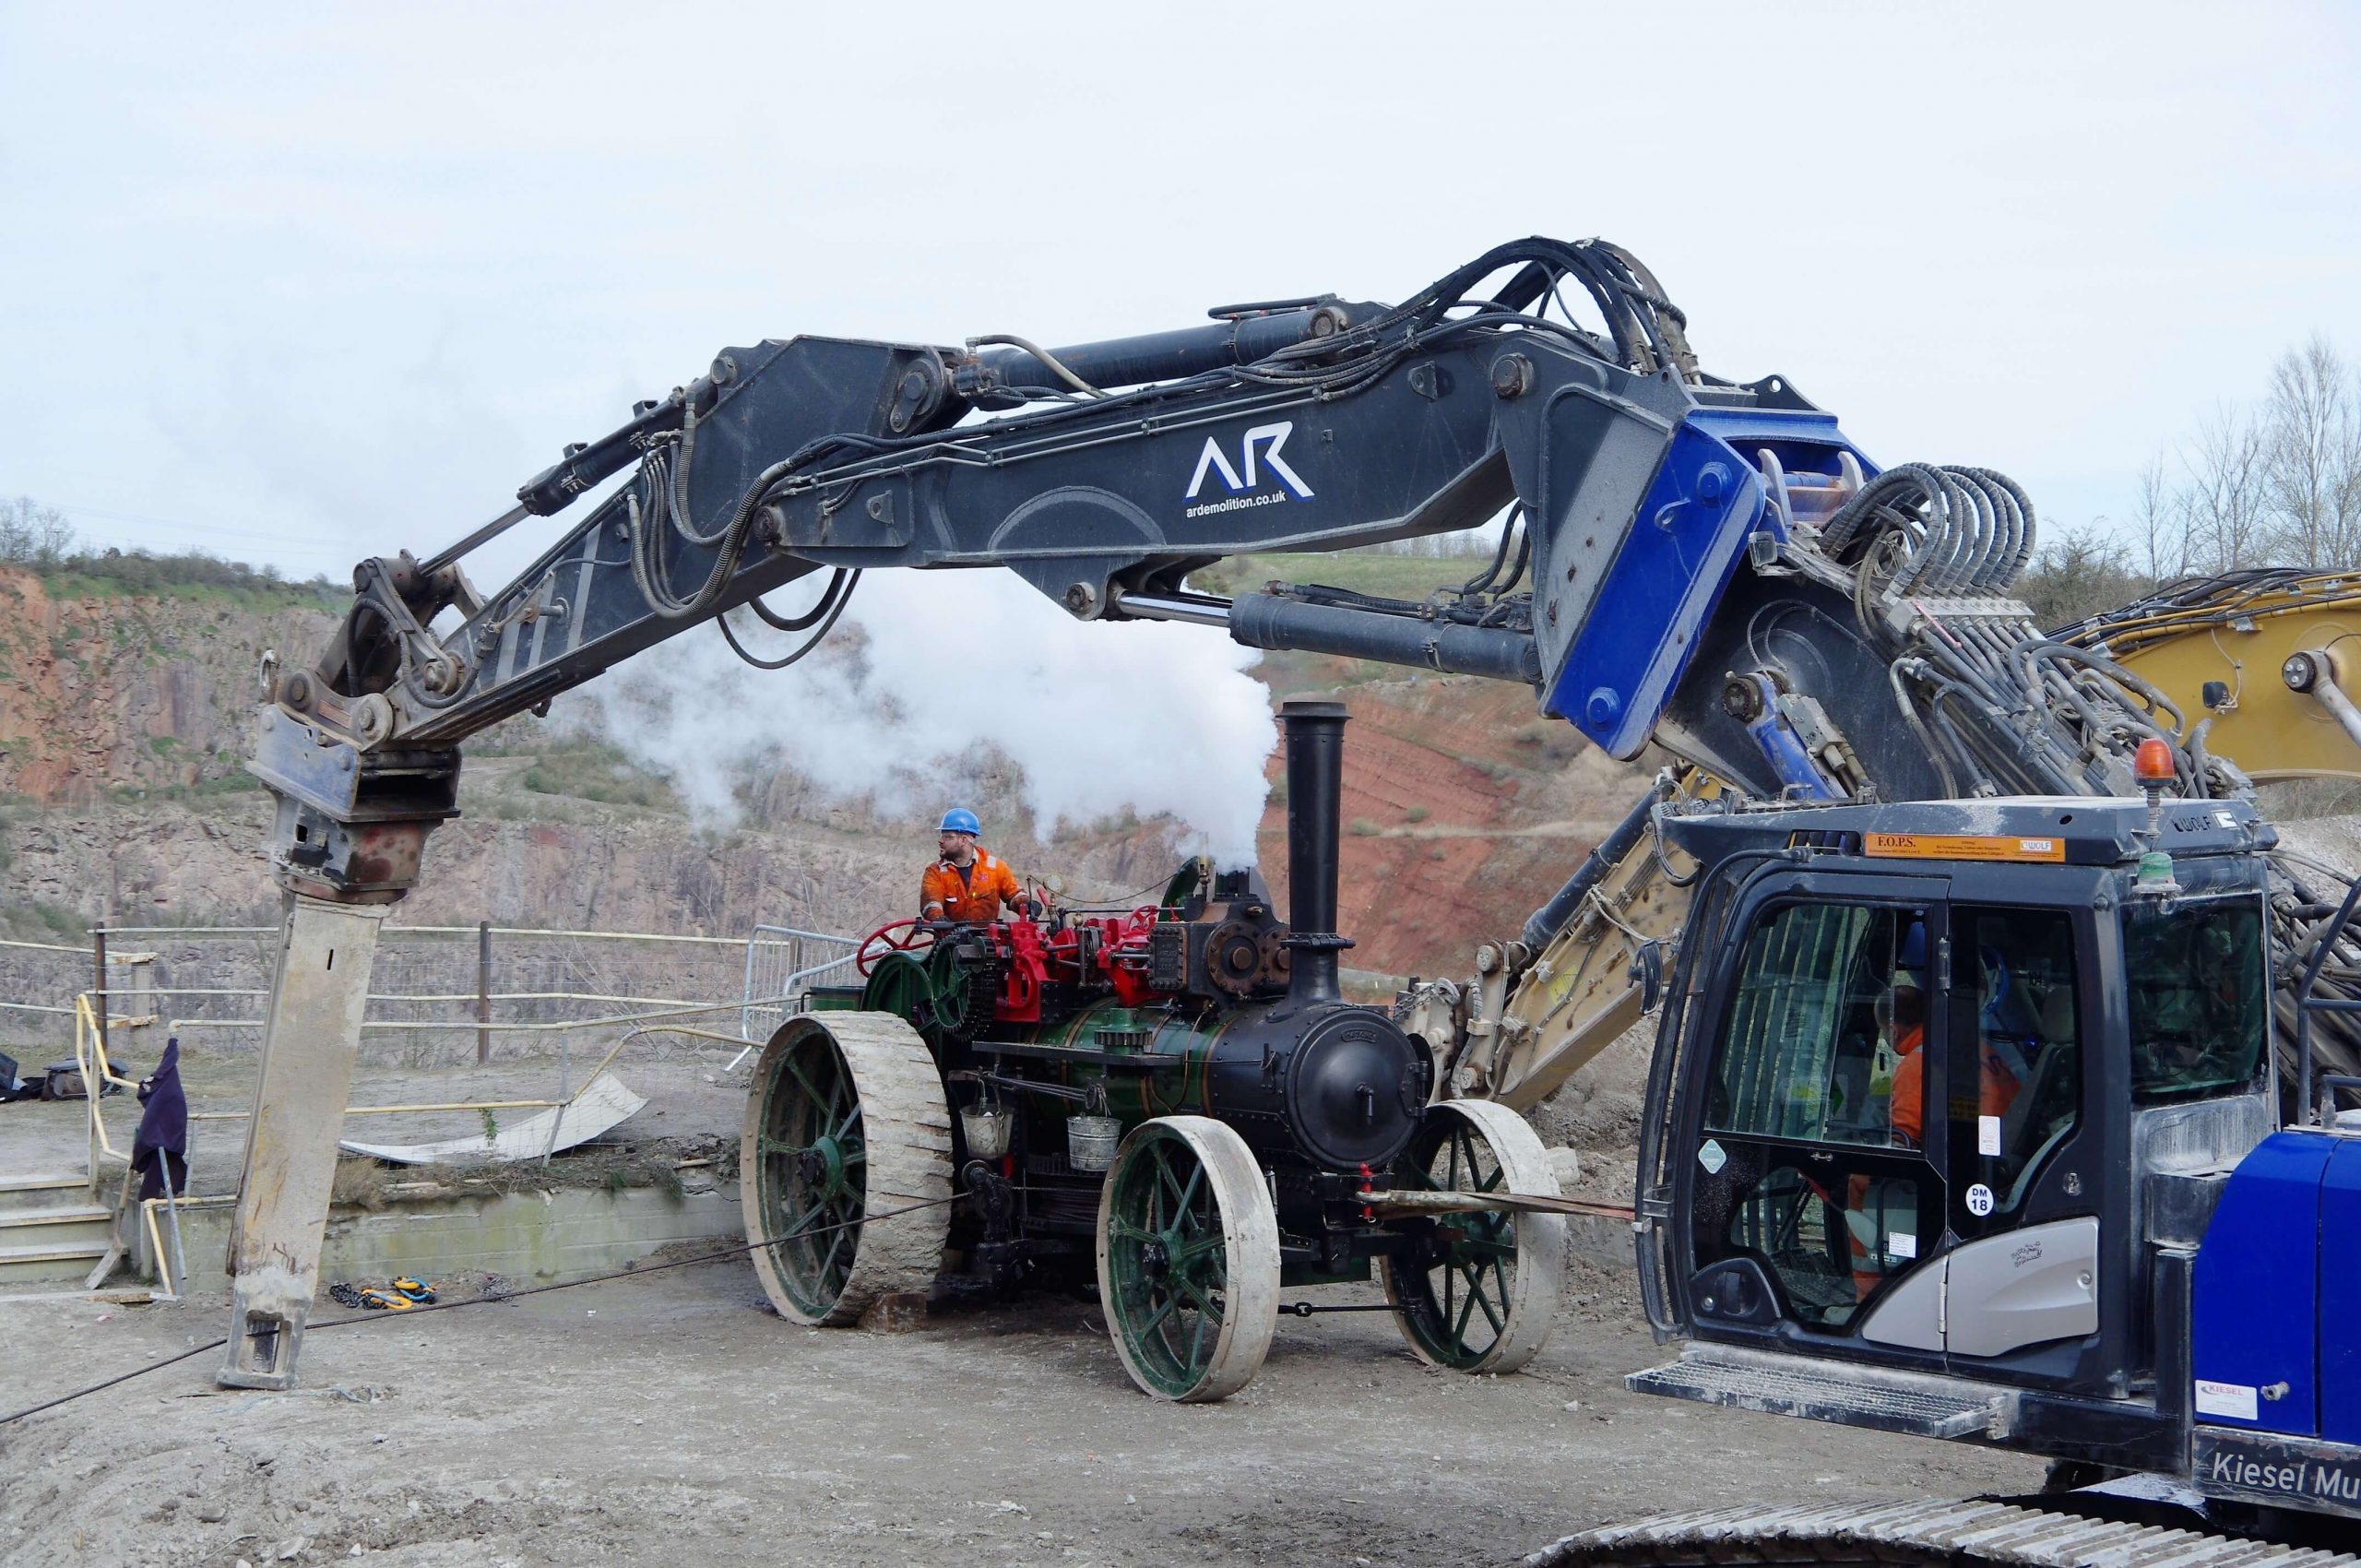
{"points": [[1928, 553], [661, 490], [1967, 530]]}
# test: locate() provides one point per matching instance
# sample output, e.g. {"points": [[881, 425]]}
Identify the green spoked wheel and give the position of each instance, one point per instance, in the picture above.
{"points": [[1188, 1259], [1478, 1292], [846, 1125]]}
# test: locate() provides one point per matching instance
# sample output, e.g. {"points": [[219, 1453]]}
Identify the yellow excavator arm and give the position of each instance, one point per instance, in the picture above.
{"points": [[2270, 659]]}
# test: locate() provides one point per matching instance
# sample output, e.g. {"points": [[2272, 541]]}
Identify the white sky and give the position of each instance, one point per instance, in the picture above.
{"points": [[299, 286]]}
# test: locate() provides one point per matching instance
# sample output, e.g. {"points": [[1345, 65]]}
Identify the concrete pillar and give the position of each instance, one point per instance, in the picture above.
{"points": [[325, 954]]}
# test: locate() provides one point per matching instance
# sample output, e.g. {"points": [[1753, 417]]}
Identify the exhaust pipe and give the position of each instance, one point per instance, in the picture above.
{"points": [[1315, 732]]}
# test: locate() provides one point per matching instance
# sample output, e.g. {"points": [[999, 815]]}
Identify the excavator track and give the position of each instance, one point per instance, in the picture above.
{"points": [[1972, 1534]]}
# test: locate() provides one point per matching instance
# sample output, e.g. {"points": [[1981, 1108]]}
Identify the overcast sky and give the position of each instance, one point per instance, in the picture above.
{"points": [[299, 285]]}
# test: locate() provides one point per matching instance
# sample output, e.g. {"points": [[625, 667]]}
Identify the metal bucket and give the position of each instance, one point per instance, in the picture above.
{"points": [[988, 1129], [1091, 1140]]}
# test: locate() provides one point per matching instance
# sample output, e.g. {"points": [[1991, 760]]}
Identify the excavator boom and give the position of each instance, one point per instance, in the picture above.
{"points": [[1877, 745]]}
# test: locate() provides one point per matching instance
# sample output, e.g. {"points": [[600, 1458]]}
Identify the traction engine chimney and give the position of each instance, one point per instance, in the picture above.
{"points": [[1315, 736]]}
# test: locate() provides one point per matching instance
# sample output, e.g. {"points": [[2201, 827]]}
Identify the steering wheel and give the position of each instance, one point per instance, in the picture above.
{"points": [[897, 936]]}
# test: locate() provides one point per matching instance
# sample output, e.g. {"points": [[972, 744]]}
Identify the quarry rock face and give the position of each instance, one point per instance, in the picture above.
{"points": [[102, 692], [124, 720]]}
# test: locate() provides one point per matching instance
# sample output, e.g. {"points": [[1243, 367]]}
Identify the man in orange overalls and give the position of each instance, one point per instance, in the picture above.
{"points": [[1904, 1018], [968, 884], [1996, 1084]]}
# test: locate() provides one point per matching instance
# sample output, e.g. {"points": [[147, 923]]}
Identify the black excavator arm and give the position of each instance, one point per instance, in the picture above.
{"points": [[1301, 424]]}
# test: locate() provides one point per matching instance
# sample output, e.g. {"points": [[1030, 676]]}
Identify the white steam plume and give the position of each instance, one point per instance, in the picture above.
{"points": [[1159, 718]]}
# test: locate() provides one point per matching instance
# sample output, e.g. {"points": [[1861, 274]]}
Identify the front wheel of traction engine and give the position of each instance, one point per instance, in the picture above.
{"points": [[1479, 1291], [1188, 1259], [846, 1125]]}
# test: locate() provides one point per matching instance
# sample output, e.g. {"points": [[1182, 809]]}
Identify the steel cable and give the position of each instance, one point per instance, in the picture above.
{"points": [[413, 1313]]}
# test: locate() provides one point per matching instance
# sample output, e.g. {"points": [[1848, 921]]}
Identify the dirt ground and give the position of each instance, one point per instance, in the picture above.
{"points": [[672, 1419]]}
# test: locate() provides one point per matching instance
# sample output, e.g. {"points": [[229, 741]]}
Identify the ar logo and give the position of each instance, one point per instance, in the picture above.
{"points": [[1212, 459]]}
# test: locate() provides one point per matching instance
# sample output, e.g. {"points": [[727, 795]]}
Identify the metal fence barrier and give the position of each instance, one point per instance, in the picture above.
{"points": [[781, 964]]}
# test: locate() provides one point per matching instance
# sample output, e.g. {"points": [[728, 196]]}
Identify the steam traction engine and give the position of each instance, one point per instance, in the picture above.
{"points": [[1178, 1089]]}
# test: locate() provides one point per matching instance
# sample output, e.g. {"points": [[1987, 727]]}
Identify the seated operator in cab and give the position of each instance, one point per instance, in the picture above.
{"points": [[1998, 1077], [967, 883], [1900, 1072]]}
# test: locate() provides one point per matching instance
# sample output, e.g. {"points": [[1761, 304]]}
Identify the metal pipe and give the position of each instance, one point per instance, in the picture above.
{"points": [[1551, 917], [1157, 356], [437, 930], [172, 1218], [483, 991], [409, 996], [2320, 683], [1315, 736], [402, 1110], [98, 977], [1271, 620], [483, 535], [501, 1028], [44, 947], [1193, 609]]}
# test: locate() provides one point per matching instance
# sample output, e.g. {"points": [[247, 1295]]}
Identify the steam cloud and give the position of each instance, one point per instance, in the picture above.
{"points": [[1159, 718]]}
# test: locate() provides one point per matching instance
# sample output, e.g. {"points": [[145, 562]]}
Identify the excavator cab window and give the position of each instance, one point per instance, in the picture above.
{"points": [[2199, 998], [1819, 1024], [1806, 1167], [1887, 1078]]}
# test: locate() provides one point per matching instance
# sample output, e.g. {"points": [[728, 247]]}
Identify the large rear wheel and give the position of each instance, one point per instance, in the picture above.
{"points": [[1188, 1259], [846, 1126], [1478, 1292]]}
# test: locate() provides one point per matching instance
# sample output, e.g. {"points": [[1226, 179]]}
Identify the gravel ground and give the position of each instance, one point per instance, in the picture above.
{"points": [[672, 1419]]}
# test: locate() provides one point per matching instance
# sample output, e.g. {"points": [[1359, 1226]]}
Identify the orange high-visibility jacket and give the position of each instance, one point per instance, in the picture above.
{"points": [[974, 893], [1996, 1090]]}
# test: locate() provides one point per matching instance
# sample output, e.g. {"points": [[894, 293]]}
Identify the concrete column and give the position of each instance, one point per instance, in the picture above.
{"points": [[325, 954]]}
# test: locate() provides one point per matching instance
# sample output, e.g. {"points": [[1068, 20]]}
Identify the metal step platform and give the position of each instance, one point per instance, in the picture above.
{"points": [[1878, 1397]]}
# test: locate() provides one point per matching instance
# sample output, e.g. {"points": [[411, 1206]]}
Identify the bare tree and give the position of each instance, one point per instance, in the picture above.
{"points": [[32, 534], [2311, 450], [2160, 513], [2227, 500]]}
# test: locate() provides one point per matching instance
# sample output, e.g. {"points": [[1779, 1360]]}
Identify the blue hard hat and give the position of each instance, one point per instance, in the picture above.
{"points": [[959, 819]]}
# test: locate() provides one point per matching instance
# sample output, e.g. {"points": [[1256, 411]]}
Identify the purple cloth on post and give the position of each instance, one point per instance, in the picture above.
{"points": [[164, 1127]]}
